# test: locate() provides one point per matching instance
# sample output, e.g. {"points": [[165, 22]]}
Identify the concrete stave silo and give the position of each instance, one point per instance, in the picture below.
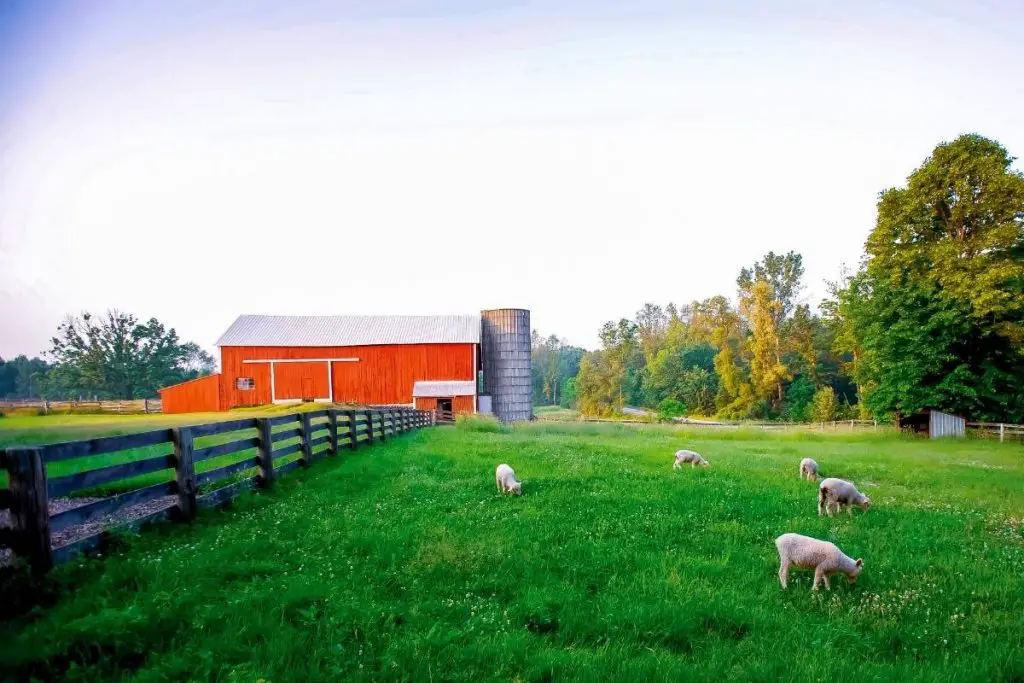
{"points": [[506, 363]]}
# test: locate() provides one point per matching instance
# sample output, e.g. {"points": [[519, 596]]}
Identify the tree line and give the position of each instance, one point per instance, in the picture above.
{"points": [[112, 356], [933, 317]]}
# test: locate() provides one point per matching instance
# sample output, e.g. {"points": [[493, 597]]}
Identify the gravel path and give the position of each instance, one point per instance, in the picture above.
{"points": [[80, 531]]}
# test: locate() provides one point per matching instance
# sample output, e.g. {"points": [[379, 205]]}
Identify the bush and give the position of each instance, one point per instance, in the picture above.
{"points": [[670, 408], [823, 408], [25, 412]]}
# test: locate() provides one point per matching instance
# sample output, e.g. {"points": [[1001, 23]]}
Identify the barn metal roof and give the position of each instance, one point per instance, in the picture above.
{"points": [[446, 388], [351, 330]]}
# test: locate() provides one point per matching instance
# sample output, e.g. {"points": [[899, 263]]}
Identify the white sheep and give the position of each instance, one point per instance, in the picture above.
{"points": [[506, 480], [808, 469], [823, 557], [689, 456], [834, 493]]}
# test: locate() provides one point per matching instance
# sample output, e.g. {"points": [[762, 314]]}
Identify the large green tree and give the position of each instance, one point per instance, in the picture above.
{"points": [[937, 311], [118, 357]]}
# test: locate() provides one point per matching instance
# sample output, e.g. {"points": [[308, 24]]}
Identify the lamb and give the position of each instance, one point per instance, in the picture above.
{"points": [[506, 480], [834, 493], [823, 557], [689, 456], [808, 469]]}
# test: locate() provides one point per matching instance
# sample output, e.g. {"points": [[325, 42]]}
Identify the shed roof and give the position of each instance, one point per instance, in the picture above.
{"points": [[445, 388], [351, 330]]}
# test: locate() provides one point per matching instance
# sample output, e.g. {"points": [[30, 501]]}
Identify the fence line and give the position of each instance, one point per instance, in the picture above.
{"points": [[311, 435], [142, 405], [821, 426], [1001, 430]]}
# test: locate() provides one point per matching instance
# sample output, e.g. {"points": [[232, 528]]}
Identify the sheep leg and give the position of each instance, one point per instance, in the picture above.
{"points": [[819, 573], [784, 574]]}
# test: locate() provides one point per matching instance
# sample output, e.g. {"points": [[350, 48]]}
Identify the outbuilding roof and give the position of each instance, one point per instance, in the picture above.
{"points": [[445, 388], [351, 330]]}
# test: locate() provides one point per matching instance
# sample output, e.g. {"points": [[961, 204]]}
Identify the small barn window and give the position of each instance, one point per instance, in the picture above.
{"points": [[245, 383]]}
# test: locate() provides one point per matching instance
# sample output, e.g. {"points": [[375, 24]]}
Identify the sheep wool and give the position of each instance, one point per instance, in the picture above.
{"points": [[689, 456], [505, 478], [804, 552], [835, 493], [808, 469]]}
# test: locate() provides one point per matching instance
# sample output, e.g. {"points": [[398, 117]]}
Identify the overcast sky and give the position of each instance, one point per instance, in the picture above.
{"points": [[194, 160]]}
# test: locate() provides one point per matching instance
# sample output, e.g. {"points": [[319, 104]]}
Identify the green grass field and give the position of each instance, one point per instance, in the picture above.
{"points": [[401, 562], [35, 430]]}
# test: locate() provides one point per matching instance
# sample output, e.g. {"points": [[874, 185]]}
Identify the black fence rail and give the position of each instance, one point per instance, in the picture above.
{"points": [[168, 473]]}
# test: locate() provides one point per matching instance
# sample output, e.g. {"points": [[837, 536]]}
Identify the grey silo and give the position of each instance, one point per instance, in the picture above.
{"points": [[506, 361]]}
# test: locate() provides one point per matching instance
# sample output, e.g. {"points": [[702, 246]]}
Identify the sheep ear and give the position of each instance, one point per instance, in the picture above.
{"points": [[860, 563]]}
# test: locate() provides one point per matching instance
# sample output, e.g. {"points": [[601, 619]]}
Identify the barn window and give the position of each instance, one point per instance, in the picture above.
{"points": [[245, 383]]}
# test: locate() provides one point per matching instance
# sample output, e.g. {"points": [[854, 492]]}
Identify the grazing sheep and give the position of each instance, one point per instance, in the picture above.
{"points": [[823, 557], [808, 469], [506, 480], [689, 456], [834, 493]]}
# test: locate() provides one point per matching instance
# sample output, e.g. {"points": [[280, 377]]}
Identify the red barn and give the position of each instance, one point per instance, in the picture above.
{"points": [[427, 361]]}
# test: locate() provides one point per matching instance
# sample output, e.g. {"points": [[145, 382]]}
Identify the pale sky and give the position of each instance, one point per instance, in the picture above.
{"points": [[194, 160]]}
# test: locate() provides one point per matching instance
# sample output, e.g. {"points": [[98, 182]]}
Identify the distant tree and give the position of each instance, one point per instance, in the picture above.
{"points": [[783, 273], [824, 406], [22, 377], [599, 384], [196, 361], [767, 372], [799, 398], [115, 356], [553, 363]]}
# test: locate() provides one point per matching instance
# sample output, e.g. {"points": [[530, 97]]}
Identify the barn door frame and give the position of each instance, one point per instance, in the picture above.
{"points": [[272, 362]]}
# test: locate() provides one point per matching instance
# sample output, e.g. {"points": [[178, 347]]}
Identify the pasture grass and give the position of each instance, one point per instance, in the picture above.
{"points": [[402, 562], [46, 429]]}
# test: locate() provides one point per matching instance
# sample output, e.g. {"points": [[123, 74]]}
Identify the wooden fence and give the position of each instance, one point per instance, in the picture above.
{"points": [[309, 435], [996, 430], [142, 405]]}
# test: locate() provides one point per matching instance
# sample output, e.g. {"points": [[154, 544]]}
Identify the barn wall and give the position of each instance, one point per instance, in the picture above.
{"points": [[460, 404], [197, 396], [463, 404], [382, 375]]}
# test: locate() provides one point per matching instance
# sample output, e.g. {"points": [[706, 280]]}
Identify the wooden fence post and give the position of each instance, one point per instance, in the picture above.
{"points": [[184, 472], [30, 507], [1002, 430], [307, 429], [266, 456], [369, 426], [383, 425], [353, 438], [332, 429]]}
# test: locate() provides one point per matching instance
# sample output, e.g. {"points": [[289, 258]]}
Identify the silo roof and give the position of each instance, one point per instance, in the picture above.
{"points": [[351, 330]]}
